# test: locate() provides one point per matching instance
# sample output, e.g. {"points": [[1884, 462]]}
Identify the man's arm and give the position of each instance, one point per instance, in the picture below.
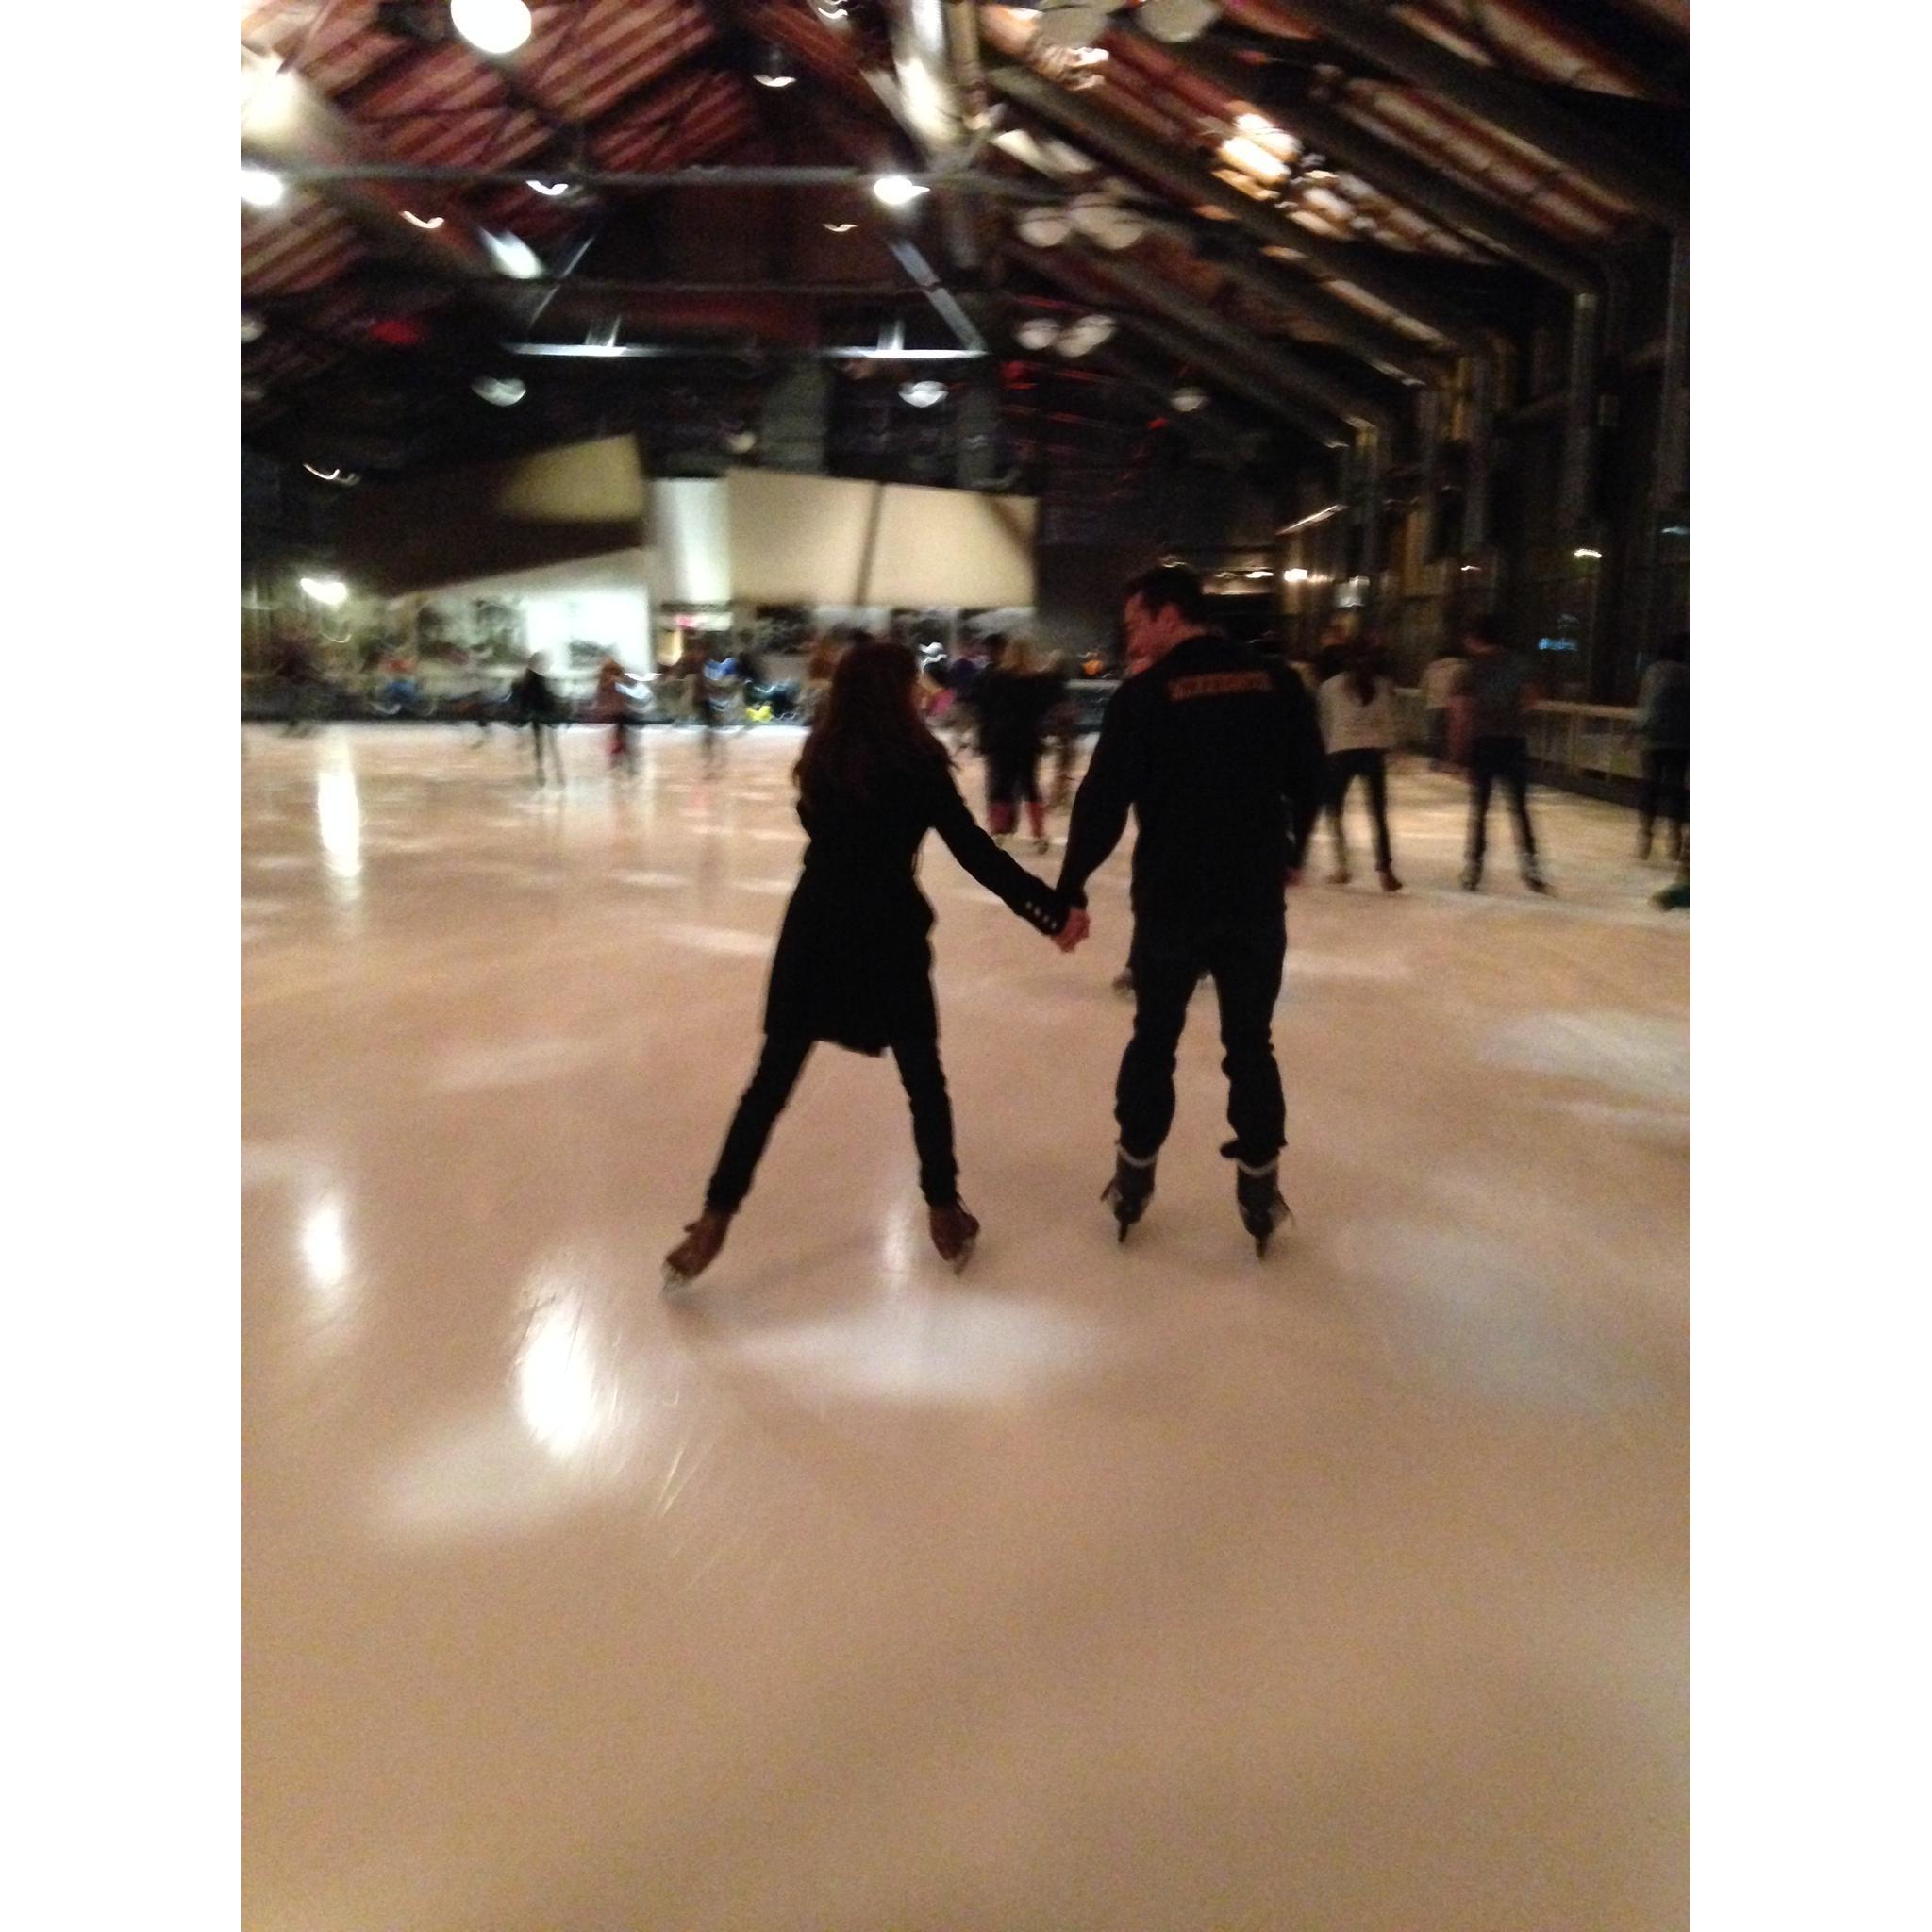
{"points": [[1100, 805]]}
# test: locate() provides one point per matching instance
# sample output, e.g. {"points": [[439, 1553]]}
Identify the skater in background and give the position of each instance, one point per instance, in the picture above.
{"points": [[1219, 757], [534, 702], [1014, 698], [1062, 728], [1358, 708], [854, 963], [1663, 723], [1440, 676], [612, 707], [1493, 699]]}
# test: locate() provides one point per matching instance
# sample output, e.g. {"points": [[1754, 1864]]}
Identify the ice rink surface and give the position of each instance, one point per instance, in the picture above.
{"points": [[1108, 1588]]}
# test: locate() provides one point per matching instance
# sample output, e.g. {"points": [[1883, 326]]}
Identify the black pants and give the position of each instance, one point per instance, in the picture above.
{"points": [[543, 737], [1666, 784], [764, 1099], [1373, 768], [1507, 758], [1012, 775], [1246, 959]]}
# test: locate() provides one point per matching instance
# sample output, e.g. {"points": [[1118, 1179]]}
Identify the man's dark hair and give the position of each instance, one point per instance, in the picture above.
{"points": [[1170, 587], [1487, 628]]}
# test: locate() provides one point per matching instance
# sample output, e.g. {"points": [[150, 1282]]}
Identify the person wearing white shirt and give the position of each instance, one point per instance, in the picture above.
{"points": [[1358, 708], [1439, 678]]}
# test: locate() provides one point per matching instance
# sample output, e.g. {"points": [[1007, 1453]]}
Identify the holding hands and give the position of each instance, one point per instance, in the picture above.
{"points": [[1075, 929]]}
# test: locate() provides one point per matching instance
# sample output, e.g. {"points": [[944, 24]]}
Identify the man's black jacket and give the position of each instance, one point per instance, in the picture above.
{"points": [[1219, 753]]}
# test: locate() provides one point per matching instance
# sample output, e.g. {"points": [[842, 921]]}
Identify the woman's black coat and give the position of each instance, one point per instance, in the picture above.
{"points": [[853, 964]]}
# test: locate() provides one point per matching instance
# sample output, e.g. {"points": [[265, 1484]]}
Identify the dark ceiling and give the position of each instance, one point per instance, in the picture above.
{"points": [[1315, 216]]}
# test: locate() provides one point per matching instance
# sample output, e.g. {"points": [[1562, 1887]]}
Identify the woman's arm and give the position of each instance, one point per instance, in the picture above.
{"points": [[1033, 899]]}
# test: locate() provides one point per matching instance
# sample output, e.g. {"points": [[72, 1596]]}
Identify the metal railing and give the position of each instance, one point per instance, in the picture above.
{"points": [[1589, 747]]}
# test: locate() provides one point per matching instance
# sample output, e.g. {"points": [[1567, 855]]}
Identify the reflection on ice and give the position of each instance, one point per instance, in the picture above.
{"points": [[948, 1347], [339, 823], [563, 1394]]}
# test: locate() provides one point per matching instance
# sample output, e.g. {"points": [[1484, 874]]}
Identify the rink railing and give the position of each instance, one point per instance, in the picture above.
{"points": [[1592, 748]]}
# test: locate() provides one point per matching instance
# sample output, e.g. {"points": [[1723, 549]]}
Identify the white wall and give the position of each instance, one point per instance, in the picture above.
{"points": [[688, 540], [601, 600]]}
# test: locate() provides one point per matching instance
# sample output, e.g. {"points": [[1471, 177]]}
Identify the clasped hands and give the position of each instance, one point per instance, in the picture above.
{"points": [[1075, 929]]}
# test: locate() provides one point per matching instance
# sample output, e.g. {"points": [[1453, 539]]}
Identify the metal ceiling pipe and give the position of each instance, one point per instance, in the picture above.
{"points": [[940, 97], [1525, 111], [1195, 185]]}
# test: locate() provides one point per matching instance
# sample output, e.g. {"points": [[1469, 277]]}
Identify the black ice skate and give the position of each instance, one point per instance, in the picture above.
{"points": [[1131, 1190], [703, 1237], [1258, 1194], [954, 1231]]}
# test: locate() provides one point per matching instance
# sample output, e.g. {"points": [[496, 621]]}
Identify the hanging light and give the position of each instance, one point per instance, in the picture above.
{"points": [[252, 327], [330, 591], [416, 220], [260, 189], [1105, 222], [347, 479], [895, 191], [1077, 337], [491, 27], [771, 71], [1188, 397], [922, 395], [1294, 576], [742, 442], [552, 188], [1176, 19], [504, 390], [512, 255], [1037, 332], [1043, 227], [1591, 554]]}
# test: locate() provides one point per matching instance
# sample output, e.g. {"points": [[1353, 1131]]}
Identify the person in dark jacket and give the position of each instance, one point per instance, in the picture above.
{"points": [[854, 963], [1013, 700], [1493, 698], [1664, 706], [534, 702], [1218, 755]]}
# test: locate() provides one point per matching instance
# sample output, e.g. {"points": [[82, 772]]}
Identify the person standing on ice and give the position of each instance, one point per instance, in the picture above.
{"points": [[854, 963], [1218, 755]]}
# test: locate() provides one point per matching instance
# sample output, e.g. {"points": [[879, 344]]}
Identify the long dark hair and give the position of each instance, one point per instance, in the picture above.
{"points": [[867, 731]]}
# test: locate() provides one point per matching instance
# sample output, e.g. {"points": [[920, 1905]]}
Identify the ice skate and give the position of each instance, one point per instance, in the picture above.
{"points": [[1131, 1190], [1533, 877], [954, 1232], [1341, 876], [1472, 879], [1390, 882], [1258, 1194], [703, 1237]]}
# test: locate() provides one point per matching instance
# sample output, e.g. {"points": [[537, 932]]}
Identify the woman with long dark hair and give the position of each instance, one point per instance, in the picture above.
{"points": [[853, 966], [1358, 727]]}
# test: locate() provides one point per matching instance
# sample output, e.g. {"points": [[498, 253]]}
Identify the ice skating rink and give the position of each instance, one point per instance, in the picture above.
{"points": [[1101, 1588]]}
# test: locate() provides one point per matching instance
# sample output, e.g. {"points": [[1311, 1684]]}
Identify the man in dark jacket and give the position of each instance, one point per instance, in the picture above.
{"points": [[534, 702], [1219, 756]]}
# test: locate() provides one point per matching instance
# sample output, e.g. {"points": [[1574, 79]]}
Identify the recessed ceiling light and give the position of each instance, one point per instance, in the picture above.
{"points": [[260, 189], [491, 27]]}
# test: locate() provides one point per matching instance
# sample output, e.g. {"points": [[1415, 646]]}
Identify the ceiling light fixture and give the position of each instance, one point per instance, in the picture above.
{"points": [[416, 220], [260, 189], [1037, 332], [329, 590], [922, 395], [1587, 552], [514, 257], [838, 227], [1294, 576], [1176, 19], [774, 79], [895, 191], [1257, 125], [252, 327], [491, 27], [1089, 332], [504, 390], [1188, 398], [553, 189]]}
